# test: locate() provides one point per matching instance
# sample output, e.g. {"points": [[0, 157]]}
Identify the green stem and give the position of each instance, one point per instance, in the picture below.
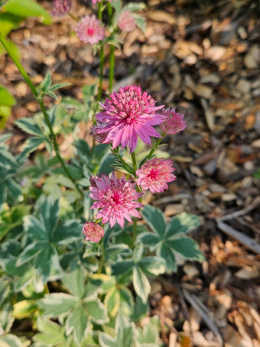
{"points": [[134, 161], [111, 67], [101, 69], [134, 231], [73, 17], [102, 258], [40, 101], [100, 6], [155, 147]]}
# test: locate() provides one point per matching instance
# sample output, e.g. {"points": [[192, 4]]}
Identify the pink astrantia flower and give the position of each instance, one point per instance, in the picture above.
{"points": [[60, 7], [90, 30], [174, 122], [155, 174], [128, 114], [116, 198], [126, 21], [94, 130], [93, 232]]}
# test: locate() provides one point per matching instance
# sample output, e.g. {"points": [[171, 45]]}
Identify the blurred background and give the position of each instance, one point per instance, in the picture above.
{"points": [[202, 58]]}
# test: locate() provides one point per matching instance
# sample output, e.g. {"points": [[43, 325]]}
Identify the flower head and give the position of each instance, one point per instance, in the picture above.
{"points": [[126, 21], [90, 30], [128, 114], [155, 174], [60, 7], [174, 122], [116, 198], [95, 131], [93, 232]]}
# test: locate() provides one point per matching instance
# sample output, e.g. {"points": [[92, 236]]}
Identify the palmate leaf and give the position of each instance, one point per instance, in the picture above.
{"points": [[47, 235], [50, 332], [172, 239], [77, 322], [56, 304], [10, 341]]}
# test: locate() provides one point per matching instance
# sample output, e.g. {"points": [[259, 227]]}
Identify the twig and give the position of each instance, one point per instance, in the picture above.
{"points": [[204, 313], [240, 213], [245, 240]]}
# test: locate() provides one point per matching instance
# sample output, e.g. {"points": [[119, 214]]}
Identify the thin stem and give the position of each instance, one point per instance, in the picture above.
{"points": [[155, 147], [100, 7], [111, 67], [73, 17], [102, 258], [134, 161], [101, 69], [40, 101], [134, 231]]}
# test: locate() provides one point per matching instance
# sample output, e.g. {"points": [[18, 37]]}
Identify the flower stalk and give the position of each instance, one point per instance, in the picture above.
{"points": [[43, 109]]}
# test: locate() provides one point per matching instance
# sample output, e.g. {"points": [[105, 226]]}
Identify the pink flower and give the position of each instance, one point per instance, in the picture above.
{"points": [[90, 30], [155, 174], [60, 7], [95, 131], [93, 232], [128, 114], [116, 198], [174, 122], [126, 21]]}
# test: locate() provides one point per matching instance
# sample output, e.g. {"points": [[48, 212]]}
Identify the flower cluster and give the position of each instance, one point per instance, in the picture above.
{"points": [[60, 7], [128, 115], [90, 30]]}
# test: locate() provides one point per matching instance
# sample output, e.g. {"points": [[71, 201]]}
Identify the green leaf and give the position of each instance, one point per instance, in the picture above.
{"points": [[27, 8], [2, 3], [149, 239], [141, 284], [140, 22], [30, 252], [134, 7], [6, 98], [77, 322], [75, 282], [113, 251], [187, 248], [122, 266], [46, 260], [10, 341], [24, 309], [168, 255], [67, 232], [112, 302], [57, 303], [4, 137], [49, 215], [35, 228], [97, 312], [152, 266], [155, 219], [50, 332], [31, 145], [106, 166], [182, 223], [138, 252], [29, 126], [140, 309], [59, 86], [46, 83]]}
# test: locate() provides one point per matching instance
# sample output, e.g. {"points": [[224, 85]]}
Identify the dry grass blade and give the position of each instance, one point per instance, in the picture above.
{"points": [[203, 311], [245, 240]]}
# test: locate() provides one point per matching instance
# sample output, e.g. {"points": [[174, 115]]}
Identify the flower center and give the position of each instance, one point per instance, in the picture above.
{"points": [[90, 31], [153, 174]]}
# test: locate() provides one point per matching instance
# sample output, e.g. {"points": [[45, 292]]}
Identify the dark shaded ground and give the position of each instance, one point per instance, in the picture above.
{"points": [[202, 58]]}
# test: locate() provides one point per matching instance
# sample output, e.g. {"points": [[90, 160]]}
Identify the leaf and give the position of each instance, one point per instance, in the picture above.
{"points": [[30, 252], [45, 261], [77, 322], [141, 284], [187, 248], [152, 266], [31, 145], [10, 341], [49, 215], [29, 126], [57, 303], [140, 309], [46, 82], [134, 7], [149, 239], [168, 255], [113, 251], [112, 302], [67, 232], [75, 282], [6, 98], [122, 266], [106, 166], [27, 8], [4, 137], [182, 223], [154, 218], [50, 332], [35, 228], [138, 252], [97, 312], [140, 22], [24, 309]]}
